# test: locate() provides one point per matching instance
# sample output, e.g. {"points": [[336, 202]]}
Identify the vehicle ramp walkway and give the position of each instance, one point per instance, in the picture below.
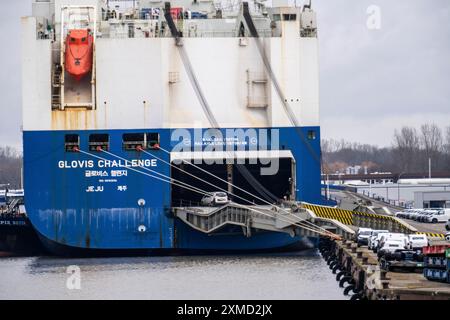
{"points": [[269, 218]]}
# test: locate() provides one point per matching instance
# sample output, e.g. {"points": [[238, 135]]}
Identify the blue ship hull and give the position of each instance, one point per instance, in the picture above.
{"points": [[69, 214]]}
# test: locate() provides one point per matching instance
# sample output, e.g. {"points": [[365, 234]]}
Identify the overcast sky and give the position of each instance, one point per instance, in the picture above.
{"points": [[372, 81]]}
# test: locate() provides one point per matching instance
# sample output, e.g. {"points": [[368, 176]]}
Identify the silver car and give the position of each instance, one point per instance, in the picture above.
{"points": [[214, 199]]}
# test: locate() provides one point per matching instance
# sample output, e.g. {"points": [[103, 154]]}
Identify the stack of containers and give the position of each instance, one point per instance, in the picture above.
{"points": [[437, 263]]}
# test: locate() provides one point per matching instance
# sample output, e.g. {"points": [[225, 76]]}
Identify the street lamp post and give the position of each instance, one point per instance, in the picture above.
{"points": [[429, 168], [398, 187]]}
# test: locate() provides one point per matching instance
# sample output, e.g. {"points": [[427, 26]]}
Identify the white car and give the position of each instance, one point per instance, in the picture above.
{"points": [[375, 237], [417, 241], [390, 246], [440, 216], [375, 242], [394, 237], [399, 214], [214, 199], [404, 213], [414, 213], [423, 216]]}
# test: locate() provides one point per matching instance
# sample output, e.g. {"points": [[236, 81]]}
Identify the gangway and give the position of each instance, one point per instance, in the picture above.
{"points": [[269, 218], [211, 219]]}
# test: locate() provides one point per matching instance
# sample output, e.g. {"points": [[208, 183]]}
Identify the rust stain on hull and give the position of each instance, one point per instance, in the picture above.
{"points": [[74, 119]]}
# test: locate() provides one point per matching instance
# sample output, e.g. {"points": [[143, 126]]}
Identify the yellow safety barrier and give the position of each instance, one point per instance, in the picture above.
{"points": [[433, 235], [341, 215], [346, 216]]}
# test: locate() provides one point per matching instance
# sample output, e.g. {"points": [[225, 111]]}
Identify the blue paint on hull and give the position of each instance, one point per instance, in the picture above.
{"points": [[65, 214]]}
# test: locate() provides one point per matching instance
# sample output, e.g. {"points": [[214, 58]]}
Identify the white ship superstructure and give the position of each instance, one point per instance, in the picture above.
{"points": [[140, 81]]}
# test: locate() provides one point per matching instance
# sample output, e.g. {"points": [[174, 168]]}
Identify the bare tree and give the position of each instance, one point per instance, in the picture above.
{"points": [[326, 146], [446, 156], [10, 167], [409, 152], [447, 141], [405, 148], [432, 143], [431, 138]]}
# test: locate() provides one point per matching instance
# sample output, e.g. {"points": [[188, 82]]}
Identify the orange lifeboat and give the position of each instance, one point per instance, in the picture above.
{"points": [[79, 52]]}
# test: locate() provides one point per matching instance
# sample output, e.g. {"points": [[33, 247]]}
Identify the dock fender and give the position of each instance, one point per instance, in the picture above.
{"points": [[333, 264], [348, 288], [336, 268], [344, 280], [331, 259], [325, 254], [340, 275], [357, 296]]}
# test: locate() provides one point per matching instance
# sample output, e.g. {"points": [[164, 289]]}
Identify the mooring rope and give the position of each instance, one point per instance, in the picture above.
{"points": [[231, 184], [301, 224]]}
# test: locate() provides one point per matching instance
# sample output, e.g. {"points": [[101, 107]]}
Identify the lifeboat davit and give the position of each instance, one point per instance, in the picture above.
{"points": [[79, 52]]}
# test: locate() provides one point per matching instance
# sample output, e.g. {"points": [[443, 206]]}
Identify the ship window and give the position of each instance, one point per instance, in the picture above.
{"points": [[311, 135], [98, 140], [72, 39], [289, 17], [71, 142], [83, 39], [153, 140], [130, 141], [276, 17]]}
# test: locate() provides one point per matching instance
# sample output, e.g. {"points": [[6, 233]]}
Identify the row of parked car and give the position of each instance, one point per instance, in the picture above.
{"points": [[426, 215], [384, 242]]}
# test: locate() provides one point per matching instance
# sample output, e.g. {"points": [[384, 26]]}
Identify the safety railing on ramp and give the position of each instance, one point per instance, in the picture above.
{"points": [[361, 219], [208, 220]]}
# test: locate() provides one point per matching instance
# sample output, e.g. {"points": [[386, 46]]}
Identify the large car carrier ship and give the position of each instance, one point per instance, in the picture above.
{"points": [[139, 116]]}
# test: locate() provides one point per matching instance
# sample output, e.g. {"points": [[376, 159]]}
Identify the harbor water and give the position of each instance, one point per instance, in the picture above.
{"points": [[302, 275]]}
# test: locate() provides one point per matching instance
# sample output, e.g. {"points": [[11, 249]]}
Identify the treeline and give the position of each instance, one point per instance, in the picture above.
{"points": [[10, 167], [410, 151]]}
